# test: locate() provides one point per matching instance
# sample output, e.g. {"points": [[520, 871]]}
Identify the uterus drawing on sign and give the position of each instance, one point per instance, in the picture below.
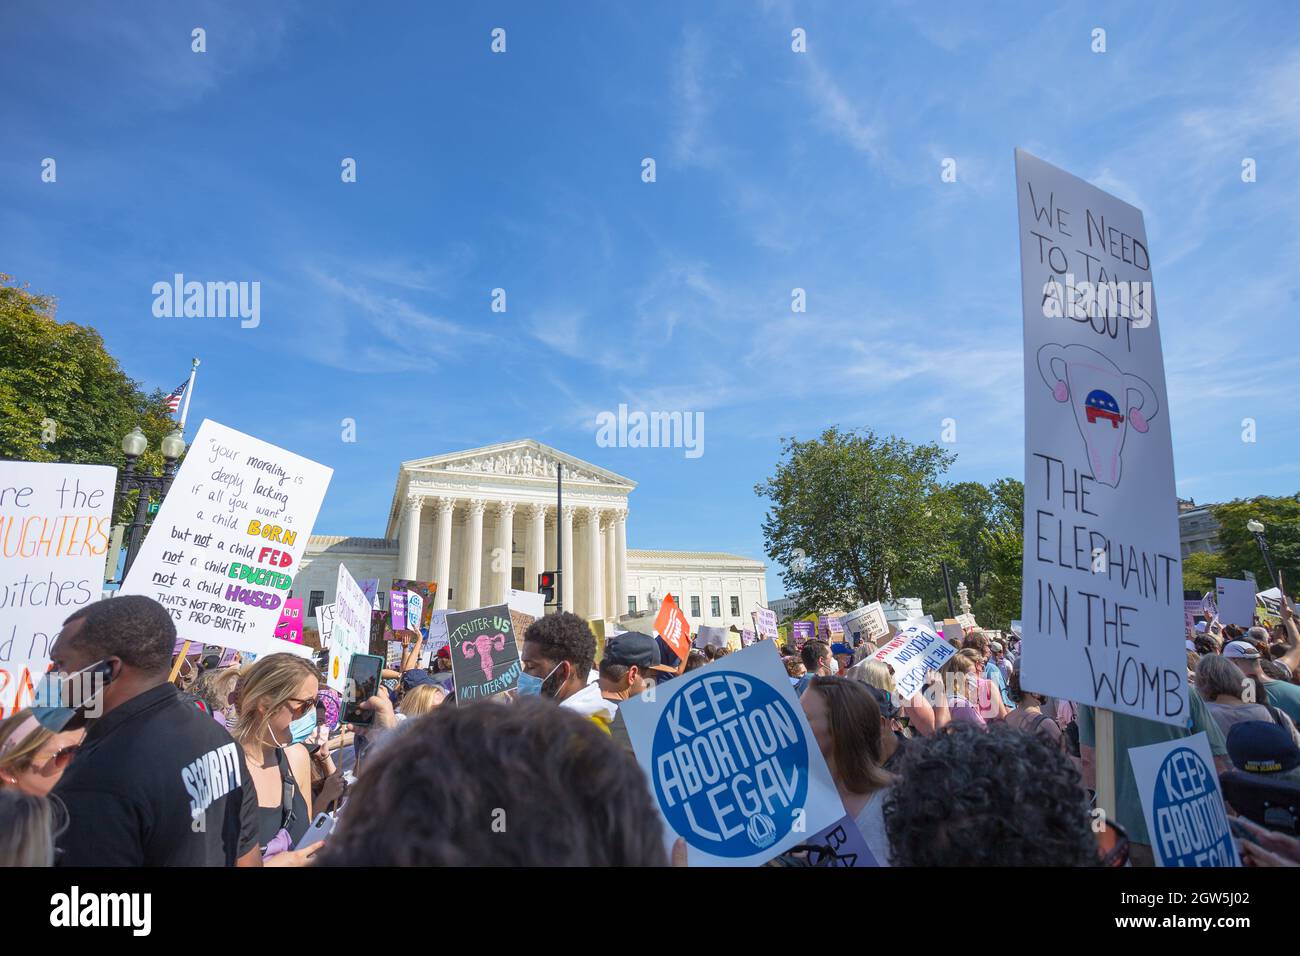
{"points": [[1105, 401]]}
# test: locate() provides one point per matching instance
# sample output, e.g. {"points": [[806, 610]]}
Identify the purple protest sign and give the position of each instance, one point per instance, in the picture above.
{"points": [[289, 627], [397, 609], [803, 631]]}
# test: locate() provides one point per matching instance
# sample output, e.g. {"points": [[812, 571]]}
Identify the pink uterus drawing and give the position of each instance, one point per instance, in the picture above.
{"points": [[1105, 401], [483, 645]]}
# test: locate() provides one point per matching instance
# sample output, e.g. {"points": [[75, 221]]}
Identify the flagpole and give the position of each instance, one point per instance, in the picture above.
{"points": [[189, 393]]}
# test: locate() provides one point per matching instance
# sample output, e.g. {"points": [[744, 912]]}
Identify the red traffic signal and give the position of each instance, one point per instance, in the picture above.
{"points": [[547, 582]]}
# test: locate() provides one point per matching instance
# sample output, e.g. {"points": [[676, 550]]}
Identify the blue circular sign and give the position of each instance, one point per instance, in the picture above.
{"points": [[1190, 824], [730, 764]]}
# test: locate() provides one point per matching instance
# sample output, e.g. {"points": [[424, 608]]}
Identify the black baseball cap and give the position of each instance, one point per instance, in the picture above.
{"points": [[1261, 746], [632, 649]]}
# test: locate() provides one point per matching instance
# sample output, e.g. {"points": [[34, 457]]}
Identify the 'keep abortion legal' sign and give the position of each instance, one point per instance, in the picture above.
{"points": [[1102, 597], [228, 539], [1183, 803], [732, 763]]}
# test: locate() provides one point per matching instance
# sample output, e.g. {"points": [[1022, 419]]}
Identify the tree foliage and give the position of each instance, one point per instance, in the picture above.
{"points": [[1201, 568], [1238, 548], [850, 510], [63, 397]]}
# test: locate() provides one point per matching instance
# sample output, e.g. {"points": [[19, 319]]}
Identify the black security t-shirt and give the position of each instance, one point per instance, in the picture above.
{"points": [[157, 782]]}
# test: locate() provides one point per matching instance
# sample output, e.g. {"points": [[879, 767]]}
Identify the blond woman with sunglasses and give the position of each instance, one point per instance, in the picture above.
{"points": [[275, 697], [32, 758]]}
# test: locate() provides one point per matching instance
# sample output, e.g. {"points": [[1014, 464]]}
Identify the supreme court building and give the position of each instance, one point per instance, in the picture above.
{"points": [[483, 521]]}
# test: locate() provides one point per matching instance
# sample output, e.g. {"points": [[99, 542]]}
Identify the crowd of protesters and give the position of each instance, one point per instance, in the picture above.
{"points": [[231, 765]]}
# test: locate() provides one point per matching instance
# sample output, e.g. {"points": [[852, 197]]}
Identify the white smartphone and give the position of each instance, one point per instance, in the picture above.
{"points": [[319, 829]]}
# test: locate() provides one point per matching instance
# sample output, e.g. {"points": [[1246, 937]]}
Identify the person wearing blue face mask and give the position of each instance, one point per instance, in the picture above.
{"points": [[277, 712]]}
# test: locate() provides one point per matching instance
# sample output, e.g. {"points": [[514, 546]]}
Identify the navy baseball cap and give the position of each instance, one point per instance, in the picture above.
{"points": [[632, 649], [1261, 746]]}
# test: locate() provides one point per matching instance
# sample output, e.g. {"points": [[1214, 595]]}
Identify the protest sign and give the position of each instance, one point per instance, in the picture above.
{"points": [[967, 621], [54, 521], [802, 631], [671, 625], [1183, 803], [845, 844], [747, 637], [437, 638], [381, 631], [228, 538], [525, 608], [397, 608], [733, 766], [351, 632], [597, 626], [1102, 576], [414, 610], [1268, 607], [325, 620], [711, 636], [484, 656], [370, 588], [867, 621], [913, 653], [1235, 600], [289, 627], [426, 590], [765, 623]]}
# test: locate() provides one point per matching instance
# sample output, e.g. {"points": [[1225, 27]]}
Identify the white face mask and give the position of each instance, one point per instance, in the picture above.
{"points": [[835, 667]]}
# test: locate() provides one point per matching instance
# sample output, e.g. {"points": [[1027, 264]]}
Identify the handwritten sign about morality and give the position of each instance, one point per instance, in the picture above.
{"points": [[1102, 594], [914, 653], [54, 534], [733, 765], [484, 656], [228, 539], [765, 623], [868, 621]]}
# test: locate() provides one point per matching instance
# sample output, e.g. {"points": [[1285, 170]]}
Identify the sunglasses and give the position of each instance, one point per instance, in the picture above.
{"points": [[298, 706], [60, 758]]}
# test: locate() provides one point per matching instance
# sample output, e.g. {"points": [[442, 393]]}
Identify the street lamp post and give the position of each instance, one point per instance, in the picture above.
{"points": [[133, 446], [1256, 528]]}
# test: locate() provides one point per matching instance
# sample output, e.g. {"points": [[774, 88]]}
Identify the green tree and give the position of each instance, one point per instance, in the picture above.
{"points": [[1201, 568], [1000, 604], [849, 511], [1240, 551], [63, 397]]}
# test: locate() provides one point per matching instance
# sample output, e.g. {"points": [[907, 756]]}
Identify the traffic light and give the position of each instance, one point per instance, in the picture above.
{"points": [[547, 582]]}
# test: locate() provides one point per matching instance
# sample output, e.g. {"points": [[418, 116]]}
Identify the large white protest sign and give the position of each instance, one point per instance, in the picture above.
{"points": [[1102, 598], [226, 543], [868, 620], [733, 766], [351, 632], [914, 652], [765, 623], [1183, 803], [54, 532], [1236, 601]]}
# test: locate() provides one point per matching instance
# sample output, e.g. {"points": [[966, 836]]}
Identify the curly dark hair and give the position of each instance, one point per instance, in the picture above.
{"points": [[491, 784], [564, 637], [135, 628], [1001, 797]]}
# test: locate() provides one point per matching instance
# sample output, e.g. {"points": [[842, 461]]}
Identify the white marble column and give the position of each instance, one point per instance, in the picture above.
{"points": [[595, 606], [473, 555], [620, 559], [610, 565], [569, 573], [408, 545], [503, 556], [534, 545], [442, 551]]}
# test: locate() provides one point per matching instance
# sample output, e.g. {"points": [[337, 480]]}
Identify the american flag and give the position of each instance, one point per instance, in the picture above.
{"points": [[174, 399]]}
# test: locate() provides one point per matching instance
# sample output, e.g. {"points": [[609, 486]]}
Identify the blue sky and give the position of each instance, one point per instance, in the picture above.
{"points": [[775, 170]]}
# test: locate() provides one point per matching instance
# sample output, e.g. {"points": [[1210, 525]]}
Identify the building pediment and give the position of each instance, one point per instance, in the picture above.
{"points": [[518, 459]]}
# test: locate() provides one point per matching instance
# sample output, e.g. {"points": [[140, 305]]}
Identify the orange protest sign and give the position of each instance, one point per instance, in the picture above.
{"points": [[672, 626]]}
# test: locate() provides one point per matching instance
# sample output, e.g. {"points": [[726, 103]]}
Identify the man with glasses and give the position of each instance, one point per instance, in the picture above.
{"points": [[157, 782]]}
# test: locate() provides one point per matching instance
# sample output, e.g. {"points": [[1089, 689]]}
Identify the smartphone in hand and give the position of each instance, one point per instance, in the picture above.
{"points": [[363, 683]]}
